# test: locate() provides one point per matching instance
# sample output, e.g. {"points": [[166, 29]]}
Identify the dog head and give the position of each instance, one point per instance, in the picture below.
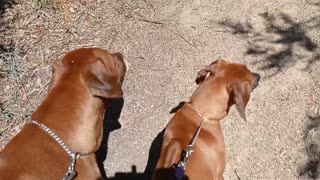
{"points": [[237, 78], [100, 71]]}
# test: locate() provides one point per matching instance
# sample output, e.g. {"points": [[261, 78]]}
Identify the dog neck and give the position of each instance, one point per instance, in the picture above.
{"points": [[211, 99], [75, 116]]}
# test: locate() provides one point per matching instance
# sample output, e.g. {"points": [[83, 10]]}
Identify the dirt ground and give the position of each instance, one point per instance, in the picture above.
{"points": [[165, 43]]}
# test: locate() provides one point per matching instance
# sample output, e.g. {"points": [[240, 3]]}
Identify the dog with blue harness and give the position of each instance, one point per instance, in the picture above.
{"points": [[193, 145]]}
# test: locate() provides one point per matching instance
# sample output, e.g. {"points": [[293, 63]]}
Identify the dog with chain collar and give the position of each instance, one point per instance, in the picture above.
{"points": [[193, 146], [66, 130]]}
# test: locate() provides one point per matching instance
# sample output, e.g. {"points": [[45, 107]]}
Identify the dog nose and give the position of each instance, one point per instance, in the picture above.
{"points": [[257, 78]]}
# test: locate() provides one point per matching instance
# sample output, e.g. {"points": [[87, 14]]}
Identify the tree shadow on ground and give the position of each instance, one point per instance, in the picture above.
{"points": [[313, 2], [154, 155], [279, 43], [311, 169], [4, 4], [111, 123], [5, 47]]}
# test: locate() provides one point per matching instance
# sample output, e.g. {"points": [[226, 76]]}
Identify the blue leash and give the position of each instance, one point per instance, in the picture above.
{"points": [[179, 173]]}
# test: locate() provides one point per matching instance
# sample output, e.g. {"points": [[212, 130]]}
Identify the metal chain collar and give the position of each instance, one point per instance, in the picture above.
{"points": [[71, 173], [189, 149]]}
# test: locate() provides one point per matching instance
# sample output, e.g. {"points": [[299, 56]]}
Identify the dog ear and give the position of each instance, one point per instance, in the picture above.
{"points": [[102, 83], [56, 65], [202, 74], [119, 63], [118, 56], [240, 97], [56, 70], [208, 70]]}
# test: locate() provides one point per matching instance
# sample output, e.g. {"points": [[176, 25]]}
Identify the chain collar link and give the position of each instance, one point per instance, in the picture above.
{"points": [[189, 149], [71, 173]]}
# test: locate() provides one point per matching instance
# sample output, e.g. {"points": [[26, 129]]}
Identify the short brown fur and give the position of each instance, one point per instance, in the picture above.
{"points": [[221, 84], [82, 85]]}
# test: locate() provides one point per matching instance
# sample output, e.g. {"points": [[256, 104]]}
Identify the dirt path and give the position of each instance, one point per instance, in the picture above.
{"points": [[165, 44]]}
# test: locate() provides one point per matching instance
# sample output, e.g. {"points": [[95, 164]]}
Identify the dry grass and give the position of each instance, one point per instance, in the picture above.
{"points": [[30, 37], [45, 3], [56, 4], [15, 106]]}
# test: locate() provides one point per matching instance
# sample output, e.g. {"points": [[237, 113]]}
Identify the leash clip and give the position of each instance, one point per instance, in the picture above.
{"points": [[71, 172], [186, 156], [181, 166]]}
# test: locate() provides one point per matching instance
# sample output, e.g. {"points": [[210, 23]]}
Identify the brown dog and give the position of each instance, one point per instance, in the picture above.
{"points": [[222, 84], [84, 82]]}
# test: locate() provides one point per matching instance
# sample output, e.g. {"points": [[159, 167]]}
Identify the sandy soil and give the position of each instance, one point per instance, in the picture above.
{"points": [[165, 44]]}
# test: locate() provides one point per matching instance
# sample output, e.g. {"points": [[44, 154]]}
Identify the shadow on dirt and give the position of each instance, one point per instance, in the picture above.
{"points": [[279, 43], [4, 4], [5, 47], [154, 155], [4, 50], [315, 3], [111, 123], [133, 175], [311, 169], [12, 62]]}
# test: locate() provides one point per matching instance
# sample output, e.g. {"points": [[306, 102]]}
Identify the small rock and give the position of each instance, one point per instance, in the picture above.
{"points": [[72, 10]]}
